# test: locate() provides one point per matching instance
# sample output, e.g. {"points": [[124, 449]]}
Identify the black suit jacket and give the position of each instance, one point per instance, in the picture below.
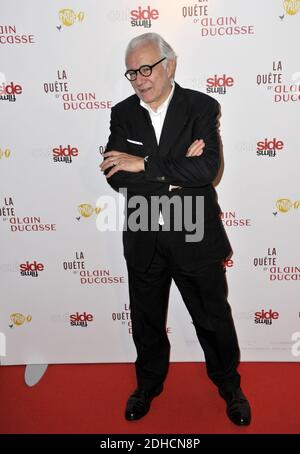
{"points": [[191, 115]]}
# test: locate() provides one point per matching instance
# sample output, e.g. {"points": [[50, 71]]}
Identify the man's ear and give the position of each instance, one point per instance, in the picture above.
{"points": [[171, 68]]}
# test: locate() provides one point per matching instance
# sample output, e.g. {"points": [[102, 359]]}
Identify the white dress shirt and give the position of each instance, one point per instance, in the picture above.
{"points": [[157, 119]]}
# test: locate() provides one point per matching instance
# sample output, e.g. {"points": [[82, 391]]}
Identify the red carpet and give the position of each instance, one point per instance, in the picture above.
{"points": [[91, 399]]}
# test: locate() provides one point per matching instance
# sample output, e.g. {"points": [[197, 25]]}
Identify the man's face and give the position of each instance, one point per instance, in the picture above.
{"points": [[154, 89]]}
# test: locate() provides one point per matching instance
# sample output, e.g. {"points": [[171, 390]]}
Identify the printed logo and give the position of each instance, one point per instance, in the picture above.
{"points": [[219, 84], [86, 210], [5, 153], [212, 24], [31, 269], [124, 317], [272, 81], [266, 317], [60, 85], [18, 319], [143, 17], [285, 205], [268, 147], [291, 7], [231, 219], [75, 264], [9, 35], [81, 319], [228, 263], [22, 224], [8, 92], [276, 272], [64, 154], [83, 100], [68, 17], [102, 276]]}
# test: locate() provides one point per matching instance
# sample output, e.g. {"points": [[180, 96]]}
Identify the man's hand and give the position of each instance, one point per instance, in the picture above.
{"points": [[121, 161], [196, 149]]}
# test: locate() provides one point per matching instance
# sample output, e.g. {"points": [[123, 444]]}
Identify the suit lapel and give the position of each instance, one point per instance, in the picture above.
{"points": [[175, 120]]}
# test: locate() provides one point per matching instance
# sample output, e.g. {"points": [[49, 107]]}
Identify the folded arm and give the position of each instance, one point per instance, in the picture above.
{"points": [[199, 171], [124, 170]]}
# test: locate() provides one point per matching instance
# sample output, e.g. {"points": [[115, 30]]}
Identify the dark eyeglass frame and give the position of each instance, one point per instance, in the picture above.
{"points": [[133, 72]]}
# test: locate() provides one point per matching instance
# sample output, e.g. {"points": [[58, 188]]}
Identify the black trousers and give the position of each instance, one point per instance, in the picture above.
{"points": [[204, 292]]}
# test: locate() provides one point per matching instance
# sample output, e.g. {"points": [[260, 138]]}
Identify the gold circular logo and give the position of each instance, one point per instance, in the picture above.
{"points": [[85, 210], [284, 205], [17, 318], [67, 17], [291, 7]]}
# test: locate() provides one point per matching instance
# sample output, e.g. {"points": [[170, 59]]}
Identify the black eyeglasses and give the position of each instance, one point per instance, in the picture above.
{"points": [[145, 70]]}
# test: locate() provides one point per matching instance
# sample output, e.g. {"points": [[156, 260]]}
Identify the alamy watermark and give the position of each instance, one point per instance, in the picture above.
{"points": [[176, 213]]}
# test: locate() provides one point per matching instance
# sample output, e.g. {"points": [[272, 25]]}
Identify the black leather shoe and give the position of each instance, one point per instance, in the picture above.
{"points": [[139, 403], [238, 408]]}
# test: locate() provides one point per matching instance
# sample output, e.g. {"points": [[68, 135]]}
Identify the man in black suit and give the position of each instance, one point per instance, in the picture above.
{"points": [[164, 148]]}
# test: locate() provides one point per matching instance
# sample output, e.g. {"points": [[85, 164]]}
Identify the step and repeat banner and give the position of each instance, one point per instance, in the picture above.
{"points": [[64, 295]]}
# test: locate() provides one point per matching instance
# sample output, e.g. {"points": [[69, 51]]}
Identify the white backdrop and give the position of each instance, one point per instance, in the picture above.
{"points": [[61, 70]]}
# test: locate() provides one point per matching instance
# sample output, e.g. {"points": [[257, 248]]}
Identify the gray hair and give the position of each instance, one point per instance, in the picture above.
{"points": [[165, 48]]}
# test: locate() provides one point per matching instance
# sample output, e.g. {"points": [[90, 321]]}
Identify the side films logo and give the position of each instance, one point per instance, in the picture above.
{"points": [[266, 317], [81, 320], [214, 25], [10, 91], [22, 224], [273, 82], [269, 147], [90, 276], [219, 84], [64, 154], [291, 7], [142, 17], [285, 205], [77, 100], [31, 269], [275, 272]]}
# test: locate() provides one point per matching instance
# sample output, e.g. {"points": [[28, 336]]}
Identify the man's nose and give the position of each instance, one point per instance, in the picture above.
{"points": [[140, 79]]}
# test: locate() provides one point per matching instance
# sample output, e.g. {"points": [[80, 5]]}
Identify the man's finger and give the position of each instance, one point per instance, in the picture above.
{"points": [[196, 149], [109, 162], [108, 154], [196, 144], [113, 170]]}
